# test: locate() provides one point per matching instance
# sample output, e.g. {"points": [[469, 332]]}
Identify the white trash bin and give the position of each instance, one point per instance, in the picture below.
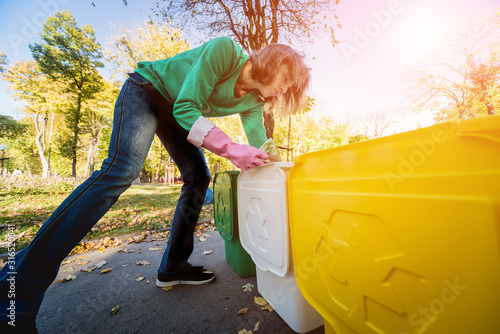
{"points": [[264, 234]]}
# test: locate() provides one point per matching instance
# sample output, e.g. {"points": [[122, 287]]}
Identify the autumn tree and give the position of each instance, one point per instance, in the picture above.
{"points": [[374, 125], [255, 24], [40, 98], [97, 116], [71, 56], [462, 75], [485, 85], [147, 42], [310, 132]]}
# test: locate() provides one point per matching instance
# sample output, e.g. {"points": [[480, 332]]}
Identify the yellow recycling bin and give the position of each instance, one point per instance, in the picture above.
{"points": [[401, 234]]}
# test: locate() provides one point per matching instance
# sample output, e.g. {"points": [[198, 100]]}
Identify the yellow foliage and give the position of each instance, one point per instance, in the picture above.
{"points": [[147, 42]]}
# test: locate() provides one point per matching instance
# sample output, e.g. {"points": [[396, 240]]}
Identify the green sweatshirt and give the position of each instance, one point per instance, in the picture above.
{"points": [[200, 82]]}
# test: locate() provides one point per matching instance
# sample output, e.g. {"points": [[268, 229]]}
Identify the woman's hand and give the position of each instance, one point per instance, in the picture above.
{"points": [[205, 134]]}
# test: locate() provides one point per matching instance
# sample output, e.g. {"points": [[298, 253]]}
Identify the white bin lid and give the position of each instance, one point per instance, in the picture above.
{"points": [[263, 216]]}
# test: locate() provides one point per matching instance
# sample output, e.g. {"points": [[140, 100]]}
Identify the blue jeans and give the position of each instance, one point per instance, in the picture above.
{"points": [[140, 112]]}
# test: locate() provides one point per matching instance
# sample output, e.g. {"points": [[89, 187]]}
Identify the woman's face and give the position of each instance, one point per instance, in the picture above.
{"points": [[280, 84]]}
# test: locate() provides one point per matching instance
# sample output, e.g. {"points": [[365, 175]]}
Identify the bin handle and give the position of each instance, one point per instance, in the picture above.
{"points": [[485, 127]]}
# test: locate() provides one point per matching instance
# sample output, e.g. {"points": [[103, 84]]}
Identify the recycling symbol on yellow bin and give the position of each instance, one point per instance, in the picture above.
{"points": [[360, 269]]}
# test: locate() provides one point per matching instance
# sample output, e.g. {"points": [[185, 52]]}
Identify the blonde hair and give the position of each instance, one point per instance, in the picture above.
{"points": [[266, 64]]}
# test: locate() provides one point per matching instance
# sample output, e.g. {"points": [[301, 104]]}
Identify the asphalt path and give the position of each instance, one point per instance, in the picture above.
{"points": [[125, 299]]}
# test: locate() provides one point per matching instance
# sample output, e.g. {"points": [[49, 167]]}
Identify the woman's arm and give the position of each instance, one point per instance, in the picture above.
{"points": [[214, 61]]}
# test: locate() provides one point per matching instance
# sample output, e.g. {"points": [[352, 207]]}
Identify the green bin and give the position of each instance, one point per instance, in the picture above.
{"points": [[226, 222]]}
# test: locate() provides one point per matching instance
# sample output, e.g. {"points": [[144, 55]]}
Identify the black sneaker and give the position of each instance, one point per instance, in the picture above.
{"points": [[192, 276]]}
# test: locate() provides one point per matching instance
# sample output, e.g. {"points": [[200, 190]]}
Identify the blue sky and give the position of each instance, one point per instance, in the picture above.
{"points": [[379, 40]]}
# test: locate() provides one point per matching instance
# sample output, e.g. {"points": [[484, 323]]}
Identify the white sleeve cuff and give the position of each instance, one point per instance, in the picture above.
{"points": [[199, 131]]}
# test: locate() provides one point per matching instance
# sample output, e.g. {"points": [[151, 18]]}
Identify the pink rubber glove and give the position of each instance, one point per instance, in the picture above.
{"points": [[205, 134]]}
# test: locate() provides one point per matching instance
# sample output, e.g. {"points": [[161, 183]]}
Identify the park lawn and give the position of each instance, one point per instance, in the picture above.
{"points": [[140, 208]]}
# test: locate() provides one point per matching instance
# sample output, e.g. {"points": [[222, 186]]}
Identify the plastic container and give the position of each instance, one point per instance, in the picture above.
{"points": [[226, 222], [264, 233], [401, 234]]}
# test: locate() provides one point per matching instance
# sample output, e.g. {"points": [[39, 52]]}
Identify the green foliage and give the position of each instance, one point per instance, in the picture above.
{"points": [[22, 151], [10, 128], [65, 145], [70, 53]]}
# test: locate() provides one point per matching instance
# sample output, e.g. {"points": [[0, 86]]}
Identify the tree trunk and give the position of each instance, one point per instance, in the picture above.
{"points": [[269, 123], [50, 143], [274, 21], [75, 133], [491, 108], [93, 145], [157, 177], [144, 176], [40, 144]]}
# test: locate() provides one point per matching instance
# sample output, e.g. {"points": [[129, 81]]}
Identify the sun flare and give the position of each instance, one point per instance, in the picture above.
{"points": [[421, 32]]}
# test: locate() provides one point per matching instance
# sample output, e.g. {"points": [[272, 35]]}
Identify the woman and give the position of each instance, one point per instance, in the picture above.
{"points": [[172, 98]]}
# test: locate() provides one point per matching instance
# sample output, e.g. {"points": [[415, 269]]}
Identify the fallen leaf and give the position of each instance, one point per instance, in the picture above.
{"points": [[115, 309], [247, 287], [267, 307], [256, 327], [106, 270], [82, 263], [68, 270], [244, 331], [207, 252], [243, 311], [98, 265], [125, 250], [142, 263], [203, 237], [155, 249], [67, 278], [67, 262], [260, 301], [140, 279], [167, 288], [139, 238]]}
